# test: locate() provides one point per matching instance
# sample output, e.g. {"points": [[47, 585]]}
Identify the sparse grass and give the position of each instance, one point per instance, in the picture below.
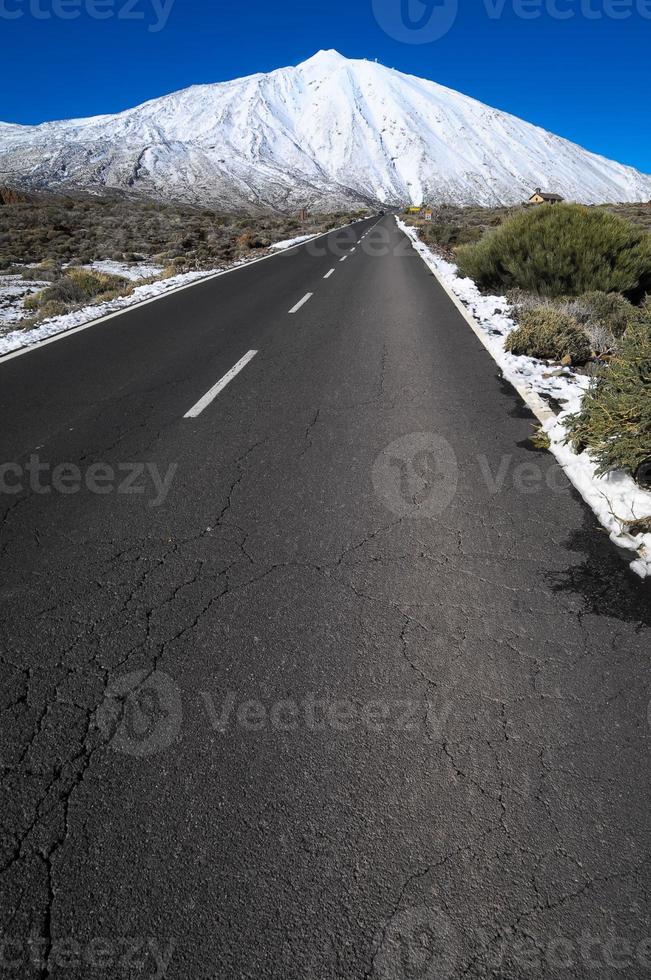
{"points": [[637, 214], [77, 286], [610, 310], [539, 439]]}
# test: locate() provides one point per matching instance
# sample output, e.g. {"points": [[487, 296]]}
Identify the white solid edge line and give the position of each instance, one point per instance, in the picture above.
{"points": [[301, 302], [221, 384], [170, 292], [531, 398], [328, 274]]}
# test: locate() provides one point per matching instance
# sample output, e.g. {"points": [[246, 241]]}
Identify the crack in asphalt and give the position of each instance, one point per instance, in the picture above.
{"points": [[494, 777]]}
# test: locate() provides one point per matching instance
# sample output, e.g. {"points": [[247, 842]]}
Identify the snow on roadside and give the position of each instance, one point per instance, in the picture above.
{"points": [[14, 290], [292, 241], [615, 498], [16, 339]]}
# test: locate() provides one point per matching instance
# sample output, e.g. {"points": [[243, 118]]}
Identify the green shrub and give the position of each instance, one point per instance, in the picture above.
{"points": [[550, 335], [564, 250], [614, 423]]}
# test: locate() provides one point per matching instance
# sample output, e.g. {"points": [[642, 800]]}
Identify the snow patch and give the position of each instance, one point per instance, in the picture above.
{"points": [[615, 498], [13, 291], [291, 241], [134, 272]]}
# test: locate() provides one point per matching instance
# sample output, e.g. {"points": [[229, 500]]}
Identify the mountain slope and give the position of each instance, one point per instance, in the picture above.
{"points": [[330, 132]]}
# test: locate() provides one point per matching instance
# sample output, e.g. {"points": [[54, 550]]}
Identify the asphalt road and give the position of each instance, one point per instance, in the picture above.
{"points": [[338, 678]]}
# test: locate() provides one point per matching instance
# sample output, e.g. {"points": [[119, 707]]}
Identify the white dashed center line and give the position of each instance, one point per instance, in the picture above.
{"points": [[301, 302], [221, 384], [343, 259], [328, 274]]}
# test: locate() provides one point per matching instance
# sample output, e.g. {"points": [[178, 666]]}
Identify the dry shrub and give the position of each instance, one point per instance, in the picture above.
{"points": [[550, 335]]}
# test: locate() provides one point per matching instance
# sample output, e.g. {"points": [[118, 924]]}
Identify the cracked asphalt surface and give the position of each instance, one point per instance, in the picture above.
{"points": [[307, 717]]}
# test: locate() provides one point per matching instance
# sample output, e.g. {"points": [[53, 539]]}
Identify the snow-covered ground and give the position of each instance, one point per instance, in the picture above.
{"points": [[292, 241], [615, 498], [13, 291], [134, 272]]}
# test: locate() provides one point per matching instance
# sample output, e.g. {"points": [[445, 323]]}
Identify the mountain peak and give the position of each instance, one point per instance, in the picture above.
{"points": [[328, 134], [327, 56]]}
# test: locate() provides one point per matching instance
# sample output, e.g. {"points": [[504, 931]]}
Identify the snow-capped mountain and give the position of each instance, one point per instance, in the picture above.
{"points": [[330, 132]]}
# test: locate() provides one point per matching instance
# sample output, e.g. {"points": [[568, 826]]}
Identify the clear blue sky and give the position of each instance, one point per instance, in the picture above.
{"points": [[585, 78]]}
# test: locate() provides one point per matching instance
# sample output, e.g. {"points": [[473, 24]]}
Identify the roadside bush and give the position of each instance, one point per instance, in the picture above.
{"points": [[609, 310], [48, 271], [77, 287], [550, 335], [614, 423], [250, 239], [521, 301], [52, 308], [605, 317], [564, 250], [450, 236], [601, 339]]}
